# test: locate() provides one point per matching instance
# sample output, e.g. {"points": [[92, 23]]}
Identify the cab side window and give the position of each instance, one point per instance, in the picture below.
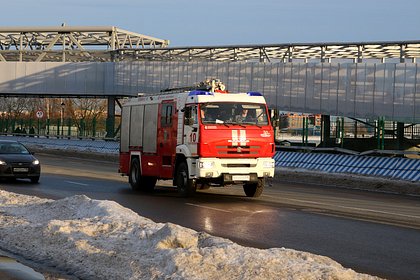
{"points": [[190, 115]]}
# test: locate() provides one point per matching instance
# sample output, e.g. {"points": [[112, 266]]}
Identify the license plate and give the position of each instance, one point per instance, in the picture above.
{"points": [[240, 178], [20, 169]]}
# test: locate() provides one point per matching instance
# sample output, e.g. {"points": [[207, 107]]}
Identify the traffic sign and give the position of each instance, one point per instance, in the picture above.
{"points": [[39, 114]]}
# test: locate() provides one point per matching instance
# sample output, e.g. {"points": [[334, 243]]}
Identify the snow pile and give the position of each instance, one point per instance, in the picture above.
{"points": [[94, 239], [64, 144]]}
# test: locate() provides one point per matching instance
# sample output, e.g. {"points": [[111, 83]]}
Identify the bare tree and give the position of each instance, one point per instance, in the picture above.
{"points": [[75, 112], [14, 107], [86, 112], [86, 108]]}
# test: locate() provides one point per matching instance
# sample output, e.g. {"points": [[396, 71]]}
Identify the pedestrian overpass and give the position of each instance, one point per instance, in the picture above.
{"points": [[367, 80]]}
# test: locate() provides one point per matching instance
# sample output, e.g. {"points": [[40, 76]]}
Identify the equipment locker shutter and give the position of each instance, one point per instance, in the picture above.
{"points": [[150, 128]]}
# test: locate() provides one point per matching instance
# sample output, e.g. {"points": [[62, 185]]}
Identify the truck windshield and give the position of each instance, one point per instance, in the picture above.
{"points": [[233, 113]]}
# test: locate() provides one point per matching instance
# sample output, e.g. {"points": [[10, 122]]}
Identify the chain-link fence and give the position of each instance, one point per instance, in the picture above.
{"points": [[87, 146], [62, 127], [351, 133]]}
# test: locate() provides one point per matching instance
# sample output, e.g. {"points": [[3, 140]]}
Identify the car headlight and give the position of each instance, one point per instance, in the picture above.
{"points": [[35, 162], [268, 164], [2, 162], [206, 164]]}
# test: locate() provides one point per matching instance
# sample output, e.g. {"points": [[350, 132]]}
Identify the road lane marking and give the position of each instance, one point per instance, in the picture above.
{"points": [[210, 208], [77, 183], [352, 208]]}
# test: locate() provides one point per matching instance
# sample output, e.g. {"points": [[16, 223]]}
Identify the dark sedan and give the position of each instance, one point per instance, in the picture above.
{"points": [[17, 162]]}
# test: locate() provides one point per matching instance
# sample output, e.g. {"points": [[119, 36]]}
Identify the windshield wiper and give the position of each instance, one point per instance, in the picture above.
{"points": [[240, 124], [227, 123], [253, 123]]}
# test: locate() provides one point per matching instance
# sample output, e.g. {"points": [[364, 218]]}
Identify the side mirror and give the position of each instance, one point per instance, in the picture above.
{"points": [[275, 122]]}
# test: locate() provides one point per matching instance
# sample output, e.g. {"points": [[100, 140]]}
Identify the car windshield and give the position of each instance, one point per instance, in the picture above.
{"points": [[233, 113], [12, 148]]}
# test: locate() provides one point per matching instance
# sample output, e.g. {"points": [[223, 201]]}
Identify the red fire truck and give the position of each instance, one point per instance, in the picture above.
{"points": [[197, 138]]}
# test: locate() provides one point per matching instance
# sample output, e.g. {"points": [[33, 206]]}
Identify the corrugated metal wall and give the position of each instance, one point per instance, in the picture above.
{"points": [[353, 90], [395, 168], [362, 90], [82, 78]]}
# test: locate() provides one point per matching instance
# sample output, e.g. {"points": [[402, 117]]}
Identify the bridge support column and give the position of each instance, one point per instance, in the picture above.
{"points": [[110, 119], [400, 135], [325, 130]]}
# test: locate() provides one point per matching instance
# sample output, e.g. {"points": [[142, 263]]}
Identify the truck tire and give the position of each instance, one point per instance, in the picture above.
{"points": [[137, 181], [254, 189], [149, 183], [186, 187], [134, 178]]}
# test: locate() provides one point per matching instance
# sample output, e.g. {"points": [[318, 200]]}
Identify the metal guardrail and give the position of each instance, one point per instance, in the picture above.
{"points": [[387, 167], [347, 151]]}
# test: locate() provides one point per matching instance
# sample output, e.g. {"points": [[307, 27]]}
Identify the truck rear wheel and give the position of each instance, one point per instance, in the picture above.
{"points": [[254, 189], [186, 187], [137, 181], [135, 175]]}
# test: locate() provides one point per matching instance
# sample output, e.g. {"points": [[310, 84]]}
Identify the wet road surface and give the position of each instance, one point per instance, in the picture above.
{"points": [[369, 232]]}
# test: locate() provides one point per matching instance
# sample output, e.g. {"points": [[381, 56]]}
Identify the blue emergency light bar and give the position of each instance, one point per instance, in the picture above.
{"points": [[200, 92], [254, 93]]}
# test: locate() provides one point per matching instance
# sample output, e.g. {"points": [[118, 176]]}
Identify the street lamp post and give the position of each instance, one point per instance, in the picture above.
{"points": [[62, 118]]}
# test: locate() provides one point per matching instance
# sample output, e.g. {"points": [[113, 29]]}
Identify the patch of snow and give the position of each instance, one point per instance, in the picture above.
{"points": [[64, 144], [100, 239]]}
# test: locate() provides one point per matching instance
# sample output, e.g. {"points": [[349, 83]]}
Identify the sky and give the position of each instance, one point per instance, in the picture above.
{"points": [[230, 22]]}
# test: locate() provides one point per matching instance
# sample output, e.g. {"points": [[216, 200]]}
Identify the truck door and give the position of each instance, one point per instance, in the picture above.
{"points": [[167, 134], [191, 135]]}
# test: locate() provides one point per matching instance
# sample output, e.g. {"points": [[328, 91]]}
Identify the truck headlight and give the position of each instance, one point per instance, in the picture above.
{"points": [[206, 164], [3, 162], [268, 164]]}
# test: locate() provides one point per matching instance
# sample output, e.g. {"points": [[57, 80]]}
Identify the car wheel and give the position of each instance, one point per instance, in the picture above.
{"points": [[254, 189], [35, 180]]}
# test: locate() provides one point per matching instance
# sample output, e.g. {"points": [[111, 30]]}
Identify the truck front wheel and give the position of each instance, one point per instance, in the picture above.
{"points": [[254, 189], [186, 187]]}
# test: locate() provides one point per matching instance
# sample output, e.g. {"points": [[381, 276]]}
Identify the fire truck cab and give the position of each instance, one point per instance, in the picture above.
{"points": [[198, 139]]}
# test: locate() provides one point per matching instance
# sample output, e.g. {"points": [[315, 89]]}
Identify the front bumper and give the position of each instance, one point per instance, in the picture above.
{"points": [[10, 171], [234, 169]]}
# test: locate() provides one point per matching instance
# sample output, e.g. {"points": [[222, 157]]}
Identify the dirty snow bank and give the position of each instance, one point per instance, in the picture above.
{"points": [[94, 239]]}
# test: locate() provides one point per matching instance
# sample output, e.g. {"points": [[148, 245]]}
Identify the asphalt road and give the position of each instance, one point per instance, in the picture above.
{"points": [[370, 232]]}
